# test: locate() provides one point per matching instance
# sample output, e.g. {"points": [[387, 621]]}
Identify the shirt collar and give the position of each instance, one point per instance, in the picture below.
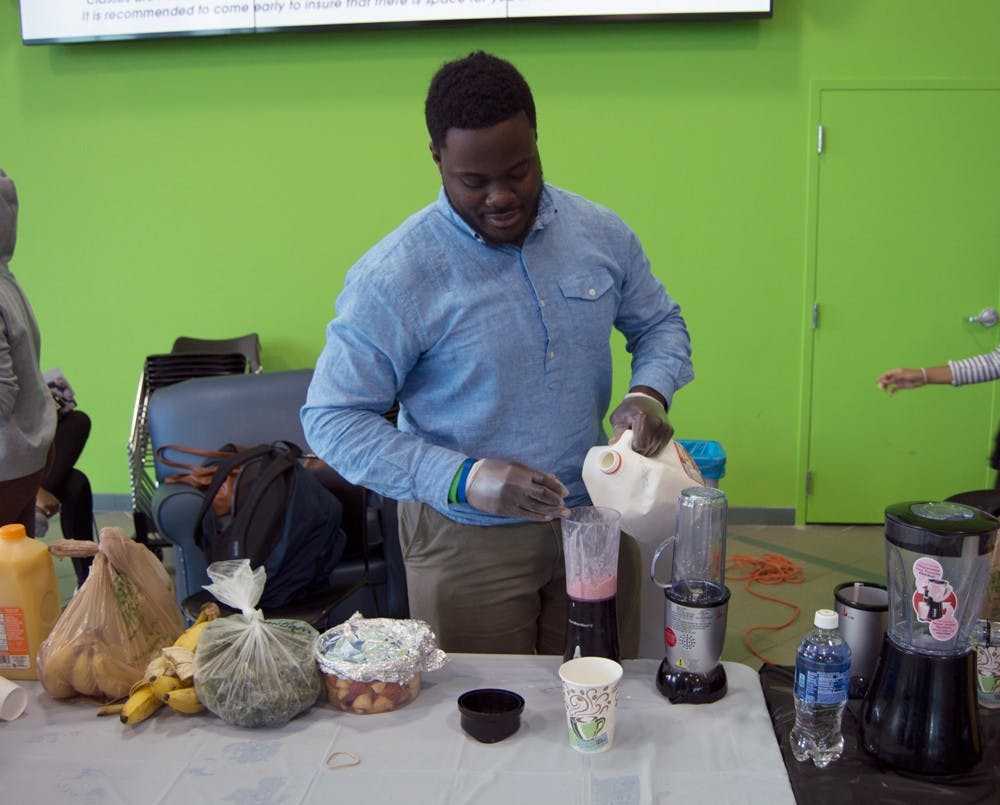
{"points": [[546, 212]]}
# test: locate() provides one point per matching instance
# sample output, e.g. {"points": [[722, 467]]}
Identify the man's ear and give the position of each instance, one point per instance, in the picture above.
{"points": [[435, 155]]}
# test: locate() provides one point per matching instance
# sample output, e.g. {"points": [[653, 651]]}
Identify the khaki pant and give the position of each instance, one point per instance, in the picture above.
{"points": [[500, 589]]}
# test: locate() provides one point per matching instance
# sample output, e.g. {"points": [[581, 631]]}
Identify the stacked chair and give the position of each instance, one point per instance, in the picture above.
{"points": [[188, 358]]}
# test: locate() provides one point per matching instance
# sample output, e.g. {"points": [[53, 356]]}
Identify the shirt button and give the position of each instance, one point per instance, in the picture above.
{"points": [[552, 354], [591, 292], [541, 302]]}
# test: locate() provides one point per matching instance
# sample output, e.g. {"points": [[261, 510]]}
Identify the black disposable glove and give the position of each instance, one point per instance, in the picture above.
{"points": [[513, 489], [647, 419]]}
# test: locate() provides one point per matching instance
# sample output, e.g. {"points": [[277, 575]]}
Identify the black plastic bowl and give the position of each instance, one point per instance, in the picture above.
{"points": [[489, 714]]}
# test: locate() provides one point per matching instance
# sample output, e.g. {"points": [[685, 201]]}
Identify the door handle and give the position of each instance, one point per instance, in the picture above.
{"points": [[987, 318]]}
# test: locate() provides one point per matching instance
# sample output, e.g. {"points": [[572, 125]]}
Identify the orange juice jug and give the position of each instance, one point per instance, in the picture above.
{"points": [[29, 601]]}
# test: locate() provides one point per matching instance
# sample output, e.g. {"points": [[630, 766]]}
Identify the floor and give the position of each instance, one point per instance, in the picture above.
{"points": [[826, 555]]}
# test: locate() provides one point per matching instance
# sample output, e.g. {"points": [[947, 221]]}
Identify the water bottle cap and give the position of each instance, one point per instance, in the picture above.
{"points": [[826, 619], [13, 531]]}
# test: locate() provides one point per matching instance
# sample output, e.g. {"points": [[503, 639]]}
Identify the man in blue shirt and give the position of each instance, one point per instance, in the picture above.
{"points": [[487, 315]]}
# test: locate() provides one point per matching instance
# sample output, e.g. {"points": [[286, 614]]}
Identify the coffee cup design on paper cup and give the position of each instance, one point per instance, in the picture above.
{"points": [[988, 675], [13, 699], [590, 693]]}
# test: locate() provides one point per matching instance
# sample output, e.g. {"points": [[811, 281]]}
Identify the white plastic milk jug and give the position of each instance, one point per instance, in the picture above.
{"points": [[643, 489]]}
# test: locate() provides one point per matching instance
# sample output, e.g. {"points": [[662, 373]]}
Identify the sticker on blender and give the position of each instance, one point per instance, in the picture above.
{"points": [[934, 600], [670, 637]]}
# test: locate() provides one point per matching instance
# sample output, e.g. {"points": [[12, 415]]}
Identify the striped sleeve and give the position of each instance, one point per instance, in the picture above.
{"points": [[977, 369]]}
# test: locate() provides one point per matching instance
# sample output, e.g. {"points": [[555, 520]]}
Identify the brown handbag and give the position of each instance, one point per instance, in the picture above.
{"points": [[199, 476]]}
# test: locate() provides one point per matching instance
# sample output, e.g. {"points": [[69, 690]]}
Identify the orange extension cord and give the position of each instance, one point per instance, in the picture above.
{"points": [[768, 569]]}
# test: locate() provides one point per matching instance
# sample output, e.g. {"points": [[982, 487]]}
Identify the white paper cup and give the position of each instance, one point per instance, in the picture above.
{"points": [[13, 699], [590, 693]]}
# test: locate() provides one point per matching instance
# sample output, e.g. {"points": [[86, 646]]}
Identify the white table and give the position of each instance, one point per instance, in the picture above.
{"points": [[60, 752]]}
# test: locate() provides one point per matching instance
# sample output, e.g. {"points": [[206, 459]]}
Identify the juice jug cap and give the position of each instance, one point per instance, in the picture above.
{"points": [[826, 619], [13, 531]]}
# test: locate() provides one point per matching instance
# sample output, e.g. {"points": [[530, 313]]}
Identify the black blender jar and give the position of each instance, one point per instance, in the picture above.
{"points": [[920, 713], [591, 539]]}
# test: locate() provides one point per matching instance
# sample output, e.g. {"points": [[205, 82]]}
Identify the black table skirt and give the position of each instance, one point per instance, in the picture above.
{"points": [[858, 777]]}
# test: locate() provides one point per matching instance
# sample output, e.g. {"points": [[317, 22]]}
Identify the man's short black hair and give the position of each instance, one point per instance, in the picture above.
{"points": [[476, 92]]}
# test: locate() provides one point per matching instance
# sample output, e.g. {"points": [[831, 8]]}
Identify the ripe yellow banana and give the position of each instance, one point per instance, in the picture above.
{"points": [[163, 684], [114, 678], [82, 677], [184, 700], [140, 706], [113, 709], [189, 639], [56, 667]]}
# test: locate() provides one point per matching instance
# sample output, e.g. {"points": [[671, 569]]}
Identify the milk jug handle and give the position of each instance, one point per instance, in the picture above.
{"points": [[668, 542]]}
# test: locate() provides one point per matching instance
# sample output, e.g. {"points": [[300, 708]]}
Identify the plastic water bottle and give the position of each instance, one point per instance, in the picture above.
{"points": [[822, 679]]}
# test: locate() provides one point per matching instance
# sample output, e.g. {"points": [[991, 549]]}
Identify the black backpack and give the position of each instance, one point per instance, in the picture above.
{"points": [[282, 518]]}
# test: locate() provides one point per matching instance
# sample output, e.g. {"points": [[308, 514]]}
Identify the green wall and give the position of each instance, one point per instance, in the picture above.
{"points": [[220, 185]]}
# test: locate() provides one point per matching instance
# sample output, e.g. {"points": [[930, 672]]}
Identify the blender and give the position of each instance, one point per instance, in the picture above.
{"points": [[920, 712], [591, 536], [697, 600]]}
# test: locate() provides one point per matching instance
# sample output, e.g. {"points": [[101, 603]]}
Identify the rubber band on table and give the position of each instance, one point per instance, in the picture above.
{"points": [[354, 760]]}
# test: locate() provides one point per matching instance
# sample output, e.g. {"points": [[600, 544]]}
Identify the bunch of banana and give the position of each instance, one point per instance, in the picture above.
{"points": [[169, 677], [85, 666]]}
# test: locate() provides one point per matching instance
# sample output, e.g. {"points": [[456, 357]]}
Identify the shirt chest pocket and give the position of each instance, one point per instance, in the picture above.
{"points": [[591, 303]]}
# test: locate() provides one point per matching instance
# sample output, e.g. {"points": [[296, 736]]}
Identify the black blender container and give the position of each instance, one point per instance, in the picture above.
{"points": [[920, 713], [591, 539]]}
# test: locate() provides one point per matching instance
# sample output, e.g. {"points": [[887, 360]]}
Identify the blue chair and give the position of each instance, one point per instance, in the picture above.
{"points": [[251, 409]]}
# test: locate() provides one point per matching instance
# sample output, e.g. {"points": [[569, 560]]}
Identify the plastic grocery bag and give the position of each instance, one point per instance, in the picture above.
{"points": [[120, 618], [249, 671]]}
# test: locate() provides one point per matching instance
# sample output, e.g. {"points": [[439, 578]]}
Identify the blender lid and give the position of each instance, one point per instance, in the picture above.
{"points": [[939, 527]]}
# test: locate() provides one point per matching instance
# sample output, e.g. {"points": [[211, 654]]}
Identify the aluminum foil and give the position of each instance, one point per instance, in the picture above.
{"points": [[378, 649]]}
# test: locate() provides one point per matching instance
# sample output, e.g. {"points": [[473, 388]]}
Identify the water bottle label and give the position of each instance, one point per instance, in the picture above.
{"points": [[827, 686]]}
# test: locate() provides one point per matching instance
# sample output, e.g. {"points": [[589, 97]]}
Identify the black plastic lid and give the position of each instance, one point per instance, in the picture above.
{"points": [[939, 528]]}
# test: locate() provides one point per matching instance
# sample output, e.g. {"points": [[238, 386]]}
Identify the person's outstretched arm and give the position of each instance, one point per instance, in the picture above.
{"points": [[896, 379]]}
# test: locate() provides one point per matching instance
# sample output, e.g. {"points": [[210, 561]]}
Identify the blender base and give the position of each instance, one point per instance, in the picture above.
{"points": [[920, 712], [684, 687]]}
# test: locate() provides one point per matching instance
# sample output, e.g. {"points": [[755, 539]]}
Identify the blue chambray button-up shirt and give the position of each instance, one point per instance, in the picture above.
{"points": [[492, 351]]}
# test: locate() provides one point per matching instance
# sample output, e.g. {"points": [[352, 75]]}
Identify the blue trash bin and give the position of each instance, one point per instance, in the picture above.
{"points": [[709, 456]]}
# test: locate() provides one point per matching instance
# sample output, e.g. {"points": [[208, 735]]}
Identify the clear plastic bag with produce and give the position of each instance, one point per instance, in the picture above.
{"points": [[120, 618], [249, 671]]}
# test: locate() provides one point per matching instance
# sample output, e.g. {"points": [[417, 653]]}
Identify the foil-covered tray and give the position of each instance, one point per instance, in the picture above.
{"points": [[383, 649]]}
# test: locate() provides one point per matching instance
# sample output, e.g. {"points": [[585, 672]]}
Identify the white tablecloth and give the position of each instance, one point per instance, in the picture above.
{"points": [[60, 752]]}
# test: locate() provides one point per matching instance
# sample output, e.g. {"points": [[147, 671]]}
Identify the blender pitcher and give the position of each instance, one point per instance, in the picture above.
{"points": [[591, 537], [920, 712], [697, 600]]}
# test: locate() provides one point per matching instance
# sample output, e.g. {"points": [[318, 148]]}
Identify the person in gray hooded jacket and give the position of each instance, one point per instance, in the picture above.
{"points": [[27, 411]]}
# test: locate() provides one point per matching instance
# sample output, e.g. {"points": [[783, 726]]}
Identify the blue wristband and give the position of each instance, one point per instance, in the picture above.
{"points": [[463, 476]]}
